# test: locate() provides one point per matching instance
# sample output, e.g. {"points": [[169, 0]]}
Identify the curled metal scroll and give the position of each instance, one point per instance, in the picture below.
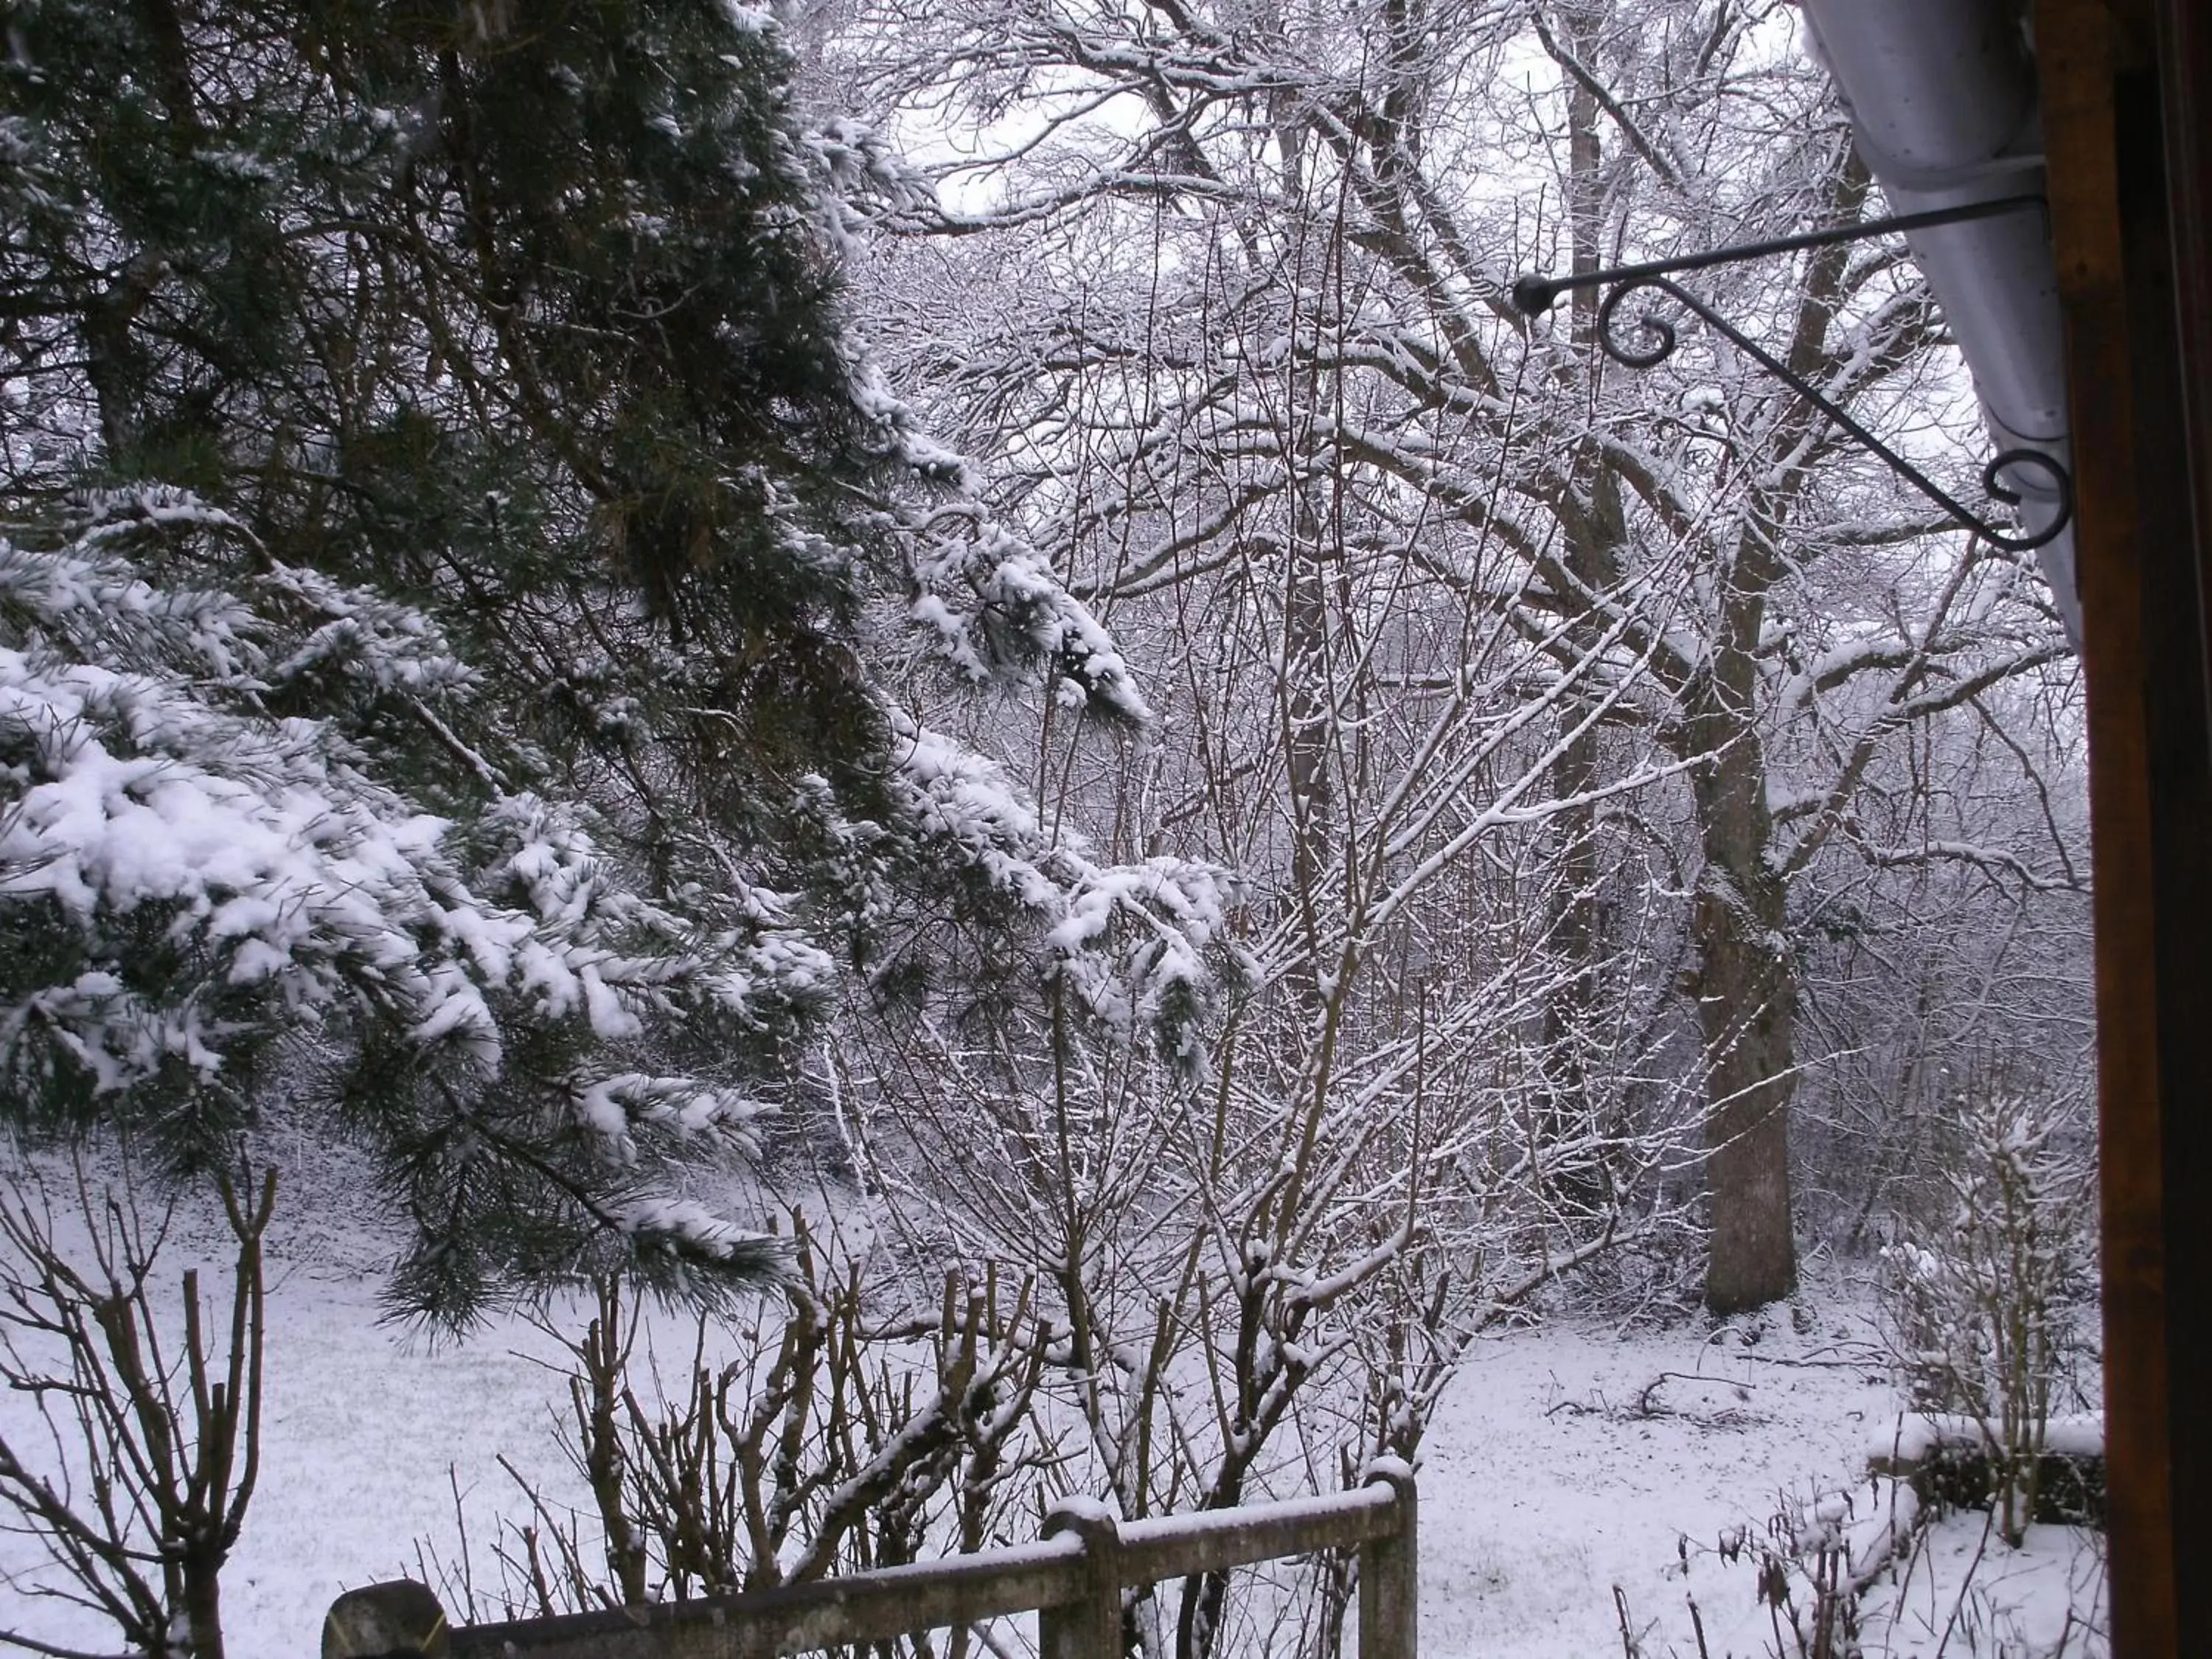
{"points": [[1661, 340]]}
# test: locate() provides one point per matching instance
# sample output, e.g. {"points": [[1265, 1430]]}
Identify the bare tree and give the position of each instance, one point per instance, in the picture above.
{"points": [[1269, 1256], [1260, 390]]}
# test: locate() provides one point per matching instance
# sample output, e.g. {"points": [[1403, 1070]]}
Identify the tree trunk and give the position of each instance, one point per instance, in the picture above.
{"points": [[1745, 982], [204, 1602], [1747, 1005], [1747, 996], [1595, 526]]}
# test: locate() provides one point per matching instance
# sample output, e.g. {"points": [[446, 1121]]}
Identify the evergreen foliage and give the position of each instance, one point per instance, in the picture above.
{"points": [[448, 530]]}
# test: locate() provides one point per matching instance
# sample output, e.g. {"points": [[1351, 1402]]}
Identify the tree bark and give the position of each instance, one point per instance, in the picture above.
{"points": [[1747, 1008], [203, 1600], [1746, 991]]}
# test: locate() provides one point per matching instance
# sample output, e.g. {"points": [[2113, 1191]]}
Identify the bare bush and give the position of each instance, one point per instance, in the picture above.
{"points": [[151, 1417], [834, 1439]]}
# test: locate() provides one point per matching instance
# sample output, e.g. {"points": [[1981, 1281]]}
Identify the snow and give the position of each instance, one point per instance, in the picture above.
{"points": [[1569, 1459], [1083, 1508], [1963, 1591], [1566, 1462], [1197, 1524], [2072, 1436]]}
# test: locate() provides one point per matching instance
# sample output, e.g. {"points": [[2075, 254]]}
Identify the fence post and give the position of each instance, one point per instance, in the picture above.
{"points": [[399, 1619], [1090, 1628], [1389, 1572]]}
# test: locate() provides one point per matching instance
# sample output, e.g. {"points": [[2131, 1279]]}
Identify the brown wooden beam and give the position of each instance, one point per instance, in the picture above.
{"points": [[2183, 46], [2181, 765], [2132, 281]]}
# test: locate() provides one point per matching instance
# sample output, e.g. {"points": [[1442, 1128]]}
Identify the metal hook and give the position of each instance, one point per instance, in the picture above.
{"points": [[1535, 294], [1663, 339]]}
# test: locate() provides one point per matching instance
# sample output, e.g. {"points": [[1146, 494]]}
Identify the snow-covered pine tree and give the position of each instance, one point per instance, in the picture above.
{"points": [[445, 523]]}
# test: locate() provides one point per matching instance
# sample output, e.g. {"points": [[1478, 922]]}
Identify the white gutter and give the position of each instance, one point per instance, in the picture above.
{"points": [[1942, 96]]}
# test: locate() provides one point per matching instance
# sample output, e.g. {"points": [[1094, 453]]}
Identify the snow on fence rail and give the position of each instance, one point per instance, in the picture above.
{"points": [[1072, 1577]]}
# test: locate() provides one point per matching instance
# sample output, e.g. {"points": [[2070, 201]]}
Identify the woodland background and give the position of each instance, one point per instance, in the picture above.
{"points": [[962, 659]]}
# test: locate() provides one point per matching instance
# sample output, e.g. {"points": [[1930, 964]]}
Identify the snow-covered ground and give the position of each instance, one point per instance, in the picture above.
{"points": [[1578, 1477], [1570, 1458], [1583, 1487]]}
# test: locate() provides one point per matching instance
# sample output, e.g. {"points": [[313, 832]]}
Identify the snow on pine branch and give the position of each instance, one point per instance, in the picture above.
{"points": [[1142, 946], [97, 606], [202, 878], [684, 1233], [990, 604], [391, 646], [997, 609], [351, 631], [864, 179]]}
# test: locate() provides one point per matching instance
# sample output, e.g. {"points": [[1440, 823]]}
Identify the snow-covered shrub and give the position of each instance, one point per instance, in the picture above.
{"points": [[1986, 1301], [204, 890]]}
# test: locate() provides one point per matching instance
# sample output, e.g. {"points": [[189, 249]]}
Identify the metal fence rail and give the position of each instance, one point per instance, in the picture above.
{"points": [[1072, 1577]]}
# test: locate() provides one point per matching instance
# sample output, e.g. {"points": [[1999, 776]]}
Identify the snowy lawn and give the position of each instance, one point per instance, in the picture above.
{"points": [[1568, 1460], [1571, 1459]]}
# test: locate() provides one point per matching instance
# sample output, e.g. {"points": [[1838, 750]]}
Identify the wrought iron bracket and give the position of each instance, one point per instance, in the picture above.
{"points": [[1535, 294]]}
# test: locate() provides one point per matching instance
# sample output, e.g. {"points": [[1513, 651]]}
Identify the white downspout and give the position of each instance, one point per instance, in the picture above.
{"points": [[1942, 97]]}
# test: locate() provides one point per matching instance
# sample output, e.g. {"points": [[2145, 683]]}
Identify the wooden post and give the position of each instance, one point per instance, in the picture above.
{"points": [[2138, 386], [1090, 1628], [1389, 1572], [400, 1620]]}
